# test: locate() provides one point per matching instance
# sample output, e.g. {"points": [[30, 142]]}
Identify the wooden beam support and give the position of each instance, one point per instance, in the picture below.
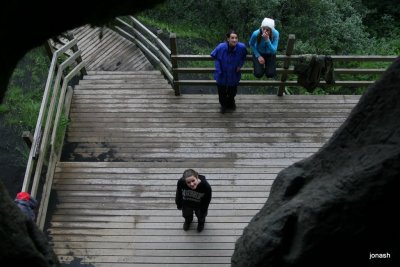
{"points": [[28, 138]]}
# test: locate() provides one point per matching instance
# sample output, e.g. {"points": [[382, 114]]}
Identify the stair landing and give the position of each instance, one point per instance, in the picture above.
{"points": [[129, 140]]}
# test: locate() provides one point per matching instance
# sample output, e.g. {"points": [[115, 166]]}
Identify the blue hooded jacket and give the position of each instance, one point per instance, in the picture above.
{"points": [[227, 60], [264, 47]]}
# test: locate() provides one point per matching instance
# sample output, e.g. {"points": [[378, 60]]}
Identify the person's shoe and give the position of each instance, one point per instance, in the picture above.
{"points": [[200, 227], [186, 225], [223, 109], [233, 107]]}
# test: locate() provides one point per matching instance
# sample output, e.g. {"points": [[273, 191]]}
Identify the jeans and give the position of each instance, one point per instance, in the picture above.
{"points": [[226, 95], [269, 68], [187, 213]]}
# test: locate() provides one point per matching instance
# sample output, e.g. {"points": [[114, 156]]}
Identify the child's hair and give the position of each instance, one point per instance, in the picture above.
{"points": [[228, 34], [189, 172]]}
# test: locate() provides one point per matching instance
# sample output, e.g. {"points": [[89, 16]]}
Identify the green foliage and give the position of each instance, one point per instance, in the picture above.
{"points": [[24, 153], [21, 108], [31, 71], [24, 94], [383, 17], [4, 109], [328, 26]]}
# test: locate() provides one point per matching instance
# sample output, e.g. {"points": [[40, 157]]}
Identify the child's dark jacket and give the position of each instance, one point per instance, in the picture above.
{"points": [[27, 207], [199, 198]]}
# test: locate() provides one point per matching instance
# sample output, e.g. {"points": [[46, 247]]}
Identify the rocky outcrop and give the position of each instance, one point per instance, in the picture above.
{"points": [[21, 242], [337, 207]]}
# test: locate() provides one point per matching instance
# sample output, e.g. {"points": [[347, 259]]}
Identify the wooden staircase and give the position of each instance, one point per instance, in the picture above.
{"points": [[129, 140], [103, 49]]}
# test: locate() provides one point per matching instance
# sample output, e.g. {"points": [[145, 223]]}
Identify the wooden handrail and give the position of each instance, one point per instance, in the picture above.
{"points": [[148, 42], [38, 130], [272, 83], [283, 57], [284, 71], [280, 70], [53, 99], [160, 44], [54, 154]]}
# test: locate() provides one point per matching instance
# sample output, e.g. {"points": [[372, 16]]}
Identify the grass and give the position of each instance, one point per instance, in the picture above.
{"points": [[21, 108], [21, 104]]}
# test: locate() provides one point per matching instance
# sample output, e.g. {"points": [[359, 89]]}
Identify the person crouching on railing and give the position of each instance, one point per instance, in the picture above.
{"points": [[27, 204], [229, 58], [264, 44]]}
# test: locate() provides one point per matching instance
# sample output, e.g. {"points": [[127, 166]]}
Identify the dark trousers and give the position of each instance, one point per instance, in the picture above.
{"points": [[269, 68], [226, 95], [187, 213]]}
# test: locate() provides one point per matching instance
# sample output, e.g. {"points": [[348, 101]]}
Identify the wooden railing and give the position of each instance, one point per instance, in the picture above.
{"points": [[282, 71], [155, 50], [46, 147], [168, 60], [285, 72]]}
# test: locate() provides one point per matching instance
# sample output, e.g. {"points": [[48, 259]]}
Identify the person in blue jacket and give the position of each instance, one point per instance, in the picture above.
{"points": [[229, 58], [264, 44]]}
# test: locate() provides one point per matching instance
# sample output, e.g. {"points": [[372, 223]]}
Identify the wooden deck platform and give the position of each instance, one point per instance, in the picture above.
{"points": [[129, 140]]}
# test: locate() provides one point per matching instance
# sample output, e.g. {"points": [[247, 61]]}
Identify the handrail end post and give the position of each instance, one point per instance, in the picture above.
{"points": [[281, 90], [176, 89]]}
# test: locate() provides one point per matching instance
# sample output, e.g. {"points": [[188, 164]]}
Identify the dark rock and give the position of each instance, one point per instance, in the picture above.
{"points": [[38, 21], [337, 207], [21, 242]]}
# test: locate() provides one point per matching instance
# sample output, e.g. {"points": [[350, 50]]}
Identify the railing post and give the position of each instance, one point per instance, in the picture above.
{"points": [[174, 62], [286, 62]]}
